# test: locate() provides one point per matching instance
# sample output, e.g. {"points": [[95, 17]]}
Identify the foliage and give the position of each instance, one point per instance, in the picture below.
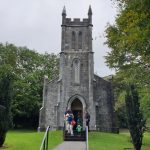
{"points": [[28, 68], [129, 42], [5, 106], [3, 123], [145, 104], [122, 117], [136, 122]]}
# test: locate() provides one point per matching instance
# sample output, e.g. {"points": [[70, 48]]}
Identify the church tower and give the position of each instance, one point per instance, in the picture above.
{"points": [[76, 87], [76, 64]]}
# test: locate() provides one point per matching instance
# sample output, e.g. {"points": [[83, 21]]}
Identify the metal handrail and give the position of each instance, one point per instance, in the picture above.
{"points": [[44, 144], [87, 138]]}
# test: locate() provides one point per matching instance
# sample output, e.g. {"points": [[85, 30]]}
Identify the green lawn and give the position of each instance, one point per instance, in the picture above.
{"points": [[108, 141], [31, 140]]}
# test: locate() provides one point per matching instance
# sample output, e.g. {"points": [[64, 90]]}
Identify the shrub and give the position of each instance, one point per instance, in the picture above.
{"points": [[5, 106]]}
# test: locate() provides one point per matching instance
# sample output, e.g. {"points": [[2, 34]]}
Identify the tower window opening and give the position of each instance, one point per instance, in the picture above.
{"points": [[73, 40], [80, 40]]}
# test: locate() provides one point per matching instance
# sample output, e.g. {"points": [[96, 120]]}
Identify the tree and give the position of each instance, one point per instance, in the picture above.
{"points": [[28, 68], [129, 42], [145, 104], [5, 105], [3, 124], [136, 123]]}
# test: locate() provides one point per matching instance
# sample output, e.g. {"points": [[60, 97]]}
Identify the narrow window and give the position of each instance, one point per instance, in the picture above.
{"points": [[73, 40], [76, 68], [80, 40]]}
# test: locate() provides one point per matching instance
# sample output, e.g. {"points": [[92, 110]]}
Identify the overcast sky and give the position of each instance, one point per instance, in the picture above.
{"points": [[37, 25]]}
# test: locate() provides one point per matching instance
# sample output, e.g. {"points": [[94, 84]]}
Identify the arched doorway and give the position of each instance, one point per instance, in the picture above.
{"points": [[77, 104], [77, 109]]}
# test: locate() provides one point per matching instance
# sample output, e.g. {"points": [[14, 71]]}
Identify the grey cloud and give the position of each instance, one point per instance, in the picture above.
{"points": [[37, 24]]}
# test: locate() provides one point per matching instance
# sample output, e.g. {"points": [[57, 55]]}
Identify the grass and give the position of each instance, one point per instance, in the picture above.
{"points": [[108, 141], [31, 140]]}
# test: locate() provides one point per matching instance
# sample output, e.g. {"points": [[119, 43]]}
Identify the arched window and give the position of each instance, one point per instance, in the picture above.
{"points": [[80, 40], [73, 40], [76, 70]]}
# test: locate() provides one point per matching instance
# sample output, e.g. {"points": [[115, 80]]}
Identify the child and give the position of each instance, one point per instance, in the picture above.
{"points": [[79, 128]]}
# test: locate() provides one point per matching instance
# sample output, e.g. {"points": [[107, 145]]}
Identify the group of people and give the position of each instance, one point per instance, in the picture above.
{"points": [[70, 122]]}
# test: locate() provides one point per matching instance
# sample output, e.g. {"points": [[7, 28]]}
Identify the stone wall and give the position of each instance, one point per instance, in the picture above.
{"points": [[103, 97], [48, 112]]}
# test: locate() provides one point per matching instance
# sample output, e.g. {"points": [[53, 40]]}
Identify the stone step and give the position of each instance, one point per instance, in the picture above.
{"points": [[76, 137]]}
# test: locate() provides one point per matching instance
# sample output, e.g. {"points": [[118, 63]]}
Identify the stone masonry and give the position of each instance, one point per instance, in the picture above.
{"points": [[77, 87]]}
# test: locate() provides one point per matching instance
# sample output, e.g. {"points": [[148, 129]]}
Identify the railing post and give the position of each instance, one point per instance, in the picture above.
{"points": [[47, 139], [87, 140], [44, 144]]}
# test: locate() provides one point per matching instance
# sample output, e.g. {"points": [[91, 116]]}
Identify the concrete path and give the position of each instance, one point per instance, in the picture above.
{"points": [[71, 145]]}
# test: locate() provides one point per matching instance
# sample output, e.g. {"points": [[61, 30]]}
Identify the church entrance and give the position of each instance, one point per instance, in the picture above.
{"points": [[77, 110]]}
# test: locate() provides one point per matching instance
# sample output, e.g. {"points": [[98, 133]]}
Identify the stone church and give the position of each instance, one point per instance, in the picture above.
{"points": [[77, 87]]}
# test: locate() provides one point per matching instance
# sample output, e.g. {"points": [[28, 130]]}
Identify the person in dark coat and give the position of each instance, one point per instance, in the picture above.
{"points": [[87, 119]]}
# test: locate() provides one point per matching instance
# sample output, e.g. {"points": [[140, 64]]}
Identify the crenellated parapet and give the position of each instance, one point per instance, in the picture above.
{"points": [[77, 21]]}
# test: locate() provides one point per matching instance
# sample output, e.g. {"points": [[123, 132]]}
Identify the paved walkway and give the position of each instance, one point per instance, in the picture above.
{"points": [[71, 145]]}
